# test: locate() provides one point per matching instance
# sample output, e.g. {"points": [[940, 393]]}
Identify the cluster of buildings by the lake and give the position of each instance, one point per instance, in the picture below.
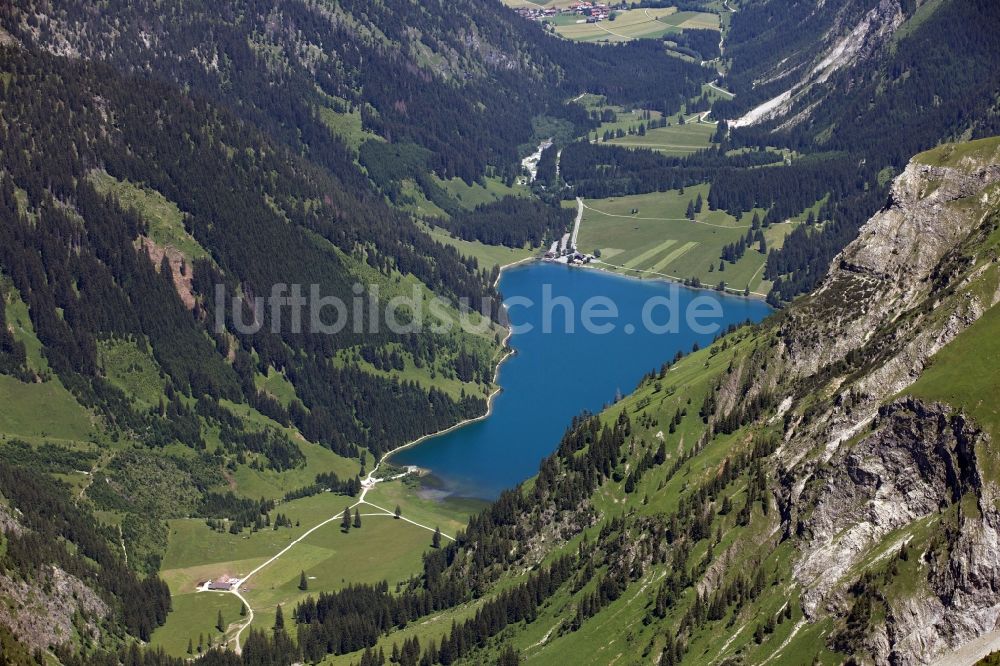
{"points": [[564, 251], [589, 12]]}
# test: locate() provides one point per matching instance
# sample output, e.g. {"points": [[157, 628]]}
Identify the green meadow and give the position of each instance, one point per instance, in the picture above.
{"points": [[692, 20], [61, 420], [658, 241], [276, 385], [628, 25], [676, 139], [196, 553], [486, 255], [166, 222], [132, 369], [489, 190], [346, 124], [966, 373], [254, 483], [19, 321], [422, 505], [383, 548], [195, 615]]}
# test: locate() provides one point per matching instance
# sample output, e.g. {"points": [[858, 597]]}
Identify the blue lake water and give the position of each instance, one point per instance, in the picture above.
{"points": [[559, 370]]}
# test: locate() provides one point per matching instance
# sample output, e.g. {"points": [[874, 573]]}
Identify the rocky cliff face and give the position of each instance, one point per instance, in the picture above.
{"points": [[52, 607], [861, 470], [847, 42], [891, 268], [918, 461]]}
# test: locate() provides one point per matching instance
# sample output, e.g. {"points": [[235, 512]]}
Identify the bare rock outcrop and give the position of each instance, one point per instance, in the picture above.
{"points": [[51, 609], [865, 464], [888, 269], [180, 273], [918, 460]]}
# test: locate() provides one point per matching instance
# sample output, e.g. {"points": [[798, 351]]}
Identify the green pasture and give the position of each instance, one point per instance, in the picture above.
{"points": [[658, 241], [486, 255], [346, 124], [966, 373], [42, 411], [478, 193], [382, 549], [628, 25], [423, 505], [195, 615]]}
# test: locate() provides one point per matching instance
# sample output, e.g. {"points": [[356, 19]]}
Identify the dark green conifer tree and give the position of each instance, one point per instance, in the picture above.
{"points": [[279, 619]]}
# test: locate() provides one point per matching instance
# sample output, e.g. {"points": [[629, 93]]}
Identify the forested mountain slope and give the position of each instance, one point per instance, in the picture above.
{"points": [[920, 69], [89, 267], [819, 487], [463, 79], [838, 455], [124, 204], [150, 156], [872, 81]]}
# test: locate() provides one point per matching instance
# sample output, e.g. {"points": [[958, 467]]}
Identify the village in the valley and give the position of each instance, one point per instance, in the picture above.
{"points": [[589, 12]]}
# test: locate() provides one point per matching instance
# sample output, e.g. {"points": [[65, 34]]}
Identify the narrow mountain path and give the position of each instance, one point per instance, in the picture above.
{"points": [[367, 484], [576, 223], [666, 219], [754, 276], [721, 90]]}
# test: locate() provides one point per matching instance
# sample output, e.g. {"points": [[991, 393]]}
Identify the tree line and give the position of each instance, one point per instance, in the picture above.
{"points": [[511, 221]]}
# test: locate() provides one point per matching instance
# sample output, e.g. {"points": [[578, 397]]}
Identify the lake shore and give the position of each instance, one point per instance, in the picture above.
{"points": [[543, 388], [507, 353], [664, 277]]}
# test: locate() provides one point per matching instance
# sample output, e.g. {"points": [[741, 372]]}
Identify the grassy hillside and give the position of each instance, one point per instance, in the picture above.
{"points": [[628, 24], [166, 222], [676, 139], [648, 235], [784, 496], [964, 374], [676, 507]]}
